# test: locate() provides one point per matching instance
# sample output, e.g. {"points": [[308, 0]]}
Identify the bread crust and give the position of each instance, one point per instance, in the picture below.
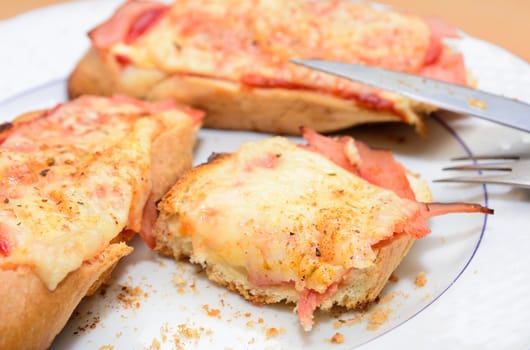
{"points": [[361, 288], [229, 105], [32, 315]]}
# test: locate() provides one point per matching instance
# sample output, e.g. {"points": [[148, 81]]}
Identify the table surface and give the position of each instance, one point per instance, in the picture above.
{"points": [[503, 22]]}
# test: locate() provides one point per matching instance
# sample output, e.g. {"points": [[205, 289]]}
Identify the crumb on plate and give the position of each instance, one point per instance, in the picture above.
{"points": [[211, 312], [421, 279], [130, 297], [155, 345], [357, 318], [271, 332], [106, 347], [393, 278], [337, 338], [377, 318]]}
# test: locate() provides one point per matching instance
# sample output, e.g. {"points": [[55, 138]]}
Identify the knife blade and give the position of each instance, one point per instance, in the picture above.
{"points": [[455, 98]]}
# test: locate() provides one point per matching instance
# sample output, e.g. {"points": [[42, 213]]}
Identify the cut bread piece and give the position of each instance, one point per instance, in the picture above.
{"points": [[76, 182], [33, 318], [231, 59], [317, 225]]}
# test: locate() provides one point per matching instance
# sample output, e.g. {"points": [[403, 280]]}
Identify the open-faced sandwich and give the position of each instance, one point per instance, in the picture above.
{"points": [[77, 181], [231, 59], [317, 225]]}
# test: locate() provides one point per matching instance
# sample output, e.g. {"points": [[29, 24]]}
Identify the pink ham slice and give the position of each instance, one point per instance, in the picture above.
{"points": [[130, 21], [6, 241], [377, 166], [309, 301], [441, 63]]}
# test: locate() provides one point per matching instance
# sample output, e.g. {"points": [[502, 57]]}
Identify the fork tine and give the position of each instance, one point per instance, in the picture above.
{"points": [[486, 179], [477, 179], [488, 157], [482, 166]]}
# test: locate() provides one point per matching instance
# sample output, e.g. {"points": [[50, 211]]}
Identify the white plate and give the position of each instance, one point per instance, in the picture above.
{"points": [[477, 288]]}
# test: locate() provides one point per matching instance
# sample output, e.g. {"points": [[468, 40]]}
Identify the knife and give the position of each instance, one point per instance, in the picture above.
{"points": [[456, 98]]}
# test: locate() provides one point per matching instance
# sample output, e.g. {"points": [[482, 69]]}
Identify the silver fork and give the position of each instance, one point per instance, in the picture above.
{"points": [[508, 170]]}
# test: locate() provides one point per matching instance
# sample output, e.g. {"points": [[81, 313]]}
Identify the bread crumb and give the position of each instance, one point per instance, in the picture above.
{"points": [[183, 336], [188, 332], [376, 319], [155, 344], [103, 289], [420, 279], [375, 315], [106, 347], [182, 280], [193, 286], [387, 298], [90, 322], [337, 338], [393, 278], [130, 296], [178, 346], [181, 283], [211, 312], [339, 323], [178, 281], [273, 332], [164, 329], [348, 322]]}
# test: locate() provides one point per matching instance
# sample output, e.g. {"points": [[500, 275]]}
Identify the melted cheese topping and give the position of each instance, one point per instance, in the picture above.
{"points": [[285, 214], [229, 37], [72, 179], [252, 41]]}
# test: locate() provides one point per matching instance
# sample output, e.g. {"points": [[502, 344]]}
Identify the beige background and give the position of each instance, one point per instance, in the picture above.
{"points": [[503, 22]]}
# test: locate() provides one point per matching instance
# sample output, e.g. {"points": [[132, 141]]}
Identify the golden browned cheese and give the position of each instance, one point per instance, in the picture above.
{"points": [[292, 214], [73, 179]]}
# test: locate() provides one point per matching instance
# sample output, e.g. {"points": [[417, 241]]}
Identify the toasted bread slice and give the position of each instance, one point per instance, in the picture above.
{"points": [[79, 180], [234, 106], [231, 59], [277, 222]]}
